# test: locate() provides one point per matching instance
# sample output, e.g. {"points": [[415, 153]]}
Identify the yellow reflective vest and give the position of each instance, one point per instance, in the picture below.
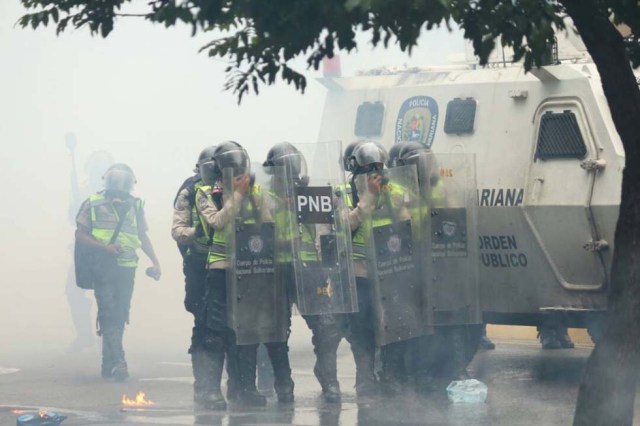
{"points": [[200, 245], [288, 229], [218, 249], [392, 197], [104, 220]]}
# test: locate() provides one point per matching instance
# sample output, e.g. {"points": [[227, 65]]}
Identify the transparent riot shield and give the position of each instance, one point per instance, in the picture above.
{"points": [[449, 199], [321, 247], [257, 307], [392, 233]]}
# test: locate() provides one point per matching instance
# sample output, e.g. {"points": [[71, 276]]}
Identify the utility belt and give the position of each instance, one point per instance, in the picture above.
{"points": [[198, 260]]}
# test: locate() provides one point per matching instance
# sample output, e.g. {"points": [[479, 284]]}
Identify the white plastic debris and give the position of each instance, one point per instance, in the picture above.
{"points": [[467, 391]]}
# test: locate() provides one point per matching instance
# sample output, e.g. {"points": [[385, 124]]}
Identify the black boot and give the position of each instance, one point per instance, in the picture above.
{"points": [[392, 368], [207, 371], [283, 383], [365, 377], [233, 377], [562, 333], [107, 358], [548, 338], [485, 342], [248, 394], [327, 375], [265, 379], [327, 333], [113, 354], [458, 358]]}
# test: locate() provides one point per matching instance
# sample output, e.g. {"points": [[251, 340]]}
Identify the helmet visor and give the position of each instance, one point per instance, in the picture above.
{"points": [[370, 157], [294, 163], [238, 160], [207, 172]]}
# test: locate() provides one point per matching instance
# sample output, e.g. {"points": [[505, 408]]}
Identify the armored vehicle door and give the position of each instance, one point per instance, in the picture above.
{"points": [[557, 200], [325, 281], [256, 298], [392, 236], [449, 201]]}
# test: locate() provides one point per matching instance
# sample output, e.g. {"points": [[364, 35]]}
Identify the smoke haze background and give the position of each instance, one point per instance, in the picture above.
{"points": [[148, 98]]}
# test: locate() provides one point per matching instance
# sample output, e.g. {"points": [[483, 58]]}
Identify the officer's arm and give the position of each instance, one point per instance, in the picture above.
{"points": [[84, 237], [265, 213], [83, 228], [147, 247], [215, 218], [366, 203], [404, 214], [181, 229]]}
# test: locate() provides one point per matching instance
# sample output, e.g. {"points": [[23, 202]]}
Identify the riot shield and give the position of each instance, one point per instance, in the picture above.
{"points": [[449, 198], [257, 307], [392, 232], [325, 283]]}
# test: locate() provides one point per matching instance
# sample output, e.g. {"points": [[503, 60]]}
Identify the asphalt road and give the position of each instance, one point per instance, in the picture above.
{"points": [[526, 386]]}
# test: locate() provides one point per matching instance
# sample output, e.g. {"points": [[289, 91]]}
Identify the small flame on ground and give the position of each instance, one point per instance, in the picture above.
{"points": [[18, 411], [139, 401]]}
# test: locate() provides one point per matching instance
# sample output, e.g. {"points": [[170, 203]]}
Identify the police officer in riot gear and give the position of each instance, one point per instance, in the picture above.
{"points": [[366, 159], [394, 154], [111, 225], [457, 341], [284, 155], [219, 338], [79, 300], [421, 348], [325, 327], [194, 239]]}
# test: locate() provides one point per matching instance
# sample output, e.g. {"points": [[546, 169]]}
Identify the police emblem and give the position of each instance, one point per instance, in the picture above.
{"points": [[255, 244], [449, 228], [394, 244], [417, 120]]}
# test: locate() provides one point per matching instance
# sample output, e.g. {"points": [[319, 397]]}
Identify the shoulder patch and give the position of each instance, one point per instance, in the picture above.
{"points": [[203, 202], [182, 203]]}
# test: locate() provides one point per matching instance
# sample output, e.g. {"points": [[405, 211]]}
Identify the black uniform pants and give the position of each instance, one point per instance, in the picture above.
{"points": [[113, 290], [326, 335], [219, 337], [195, 279], [360, 332]]}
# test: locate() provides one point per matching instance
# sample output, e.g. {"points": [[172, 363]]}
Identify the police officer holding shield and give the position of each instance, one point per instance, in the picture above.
{"points": [[194, 238], [222, 215], [449, 219], [365, 162], [303, 273]]}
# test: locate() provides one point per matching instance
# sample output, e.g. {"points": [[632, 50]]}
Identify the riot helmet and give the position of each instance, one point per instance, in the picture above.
{"points": [[229, 155], [394, 154], [205, 157], [346, 156], [119, 178], [410, 152], [368, 157], [284, 154]]}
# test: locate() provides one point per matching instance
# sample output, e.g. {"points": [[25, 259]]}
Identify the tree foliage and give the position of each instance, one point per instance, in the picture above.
{"points": [[260, 38]]}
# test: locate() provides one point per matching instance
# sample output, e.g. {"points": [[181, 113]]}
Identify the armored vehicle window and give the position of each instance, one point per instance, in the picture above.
{"points": [[461, 114], [369, 119], [559, 136]]}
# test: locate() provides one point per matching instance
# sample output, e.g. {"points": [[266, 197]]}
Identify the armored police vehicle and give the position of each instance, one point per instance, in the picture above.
{"points": [[548, 171]]}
